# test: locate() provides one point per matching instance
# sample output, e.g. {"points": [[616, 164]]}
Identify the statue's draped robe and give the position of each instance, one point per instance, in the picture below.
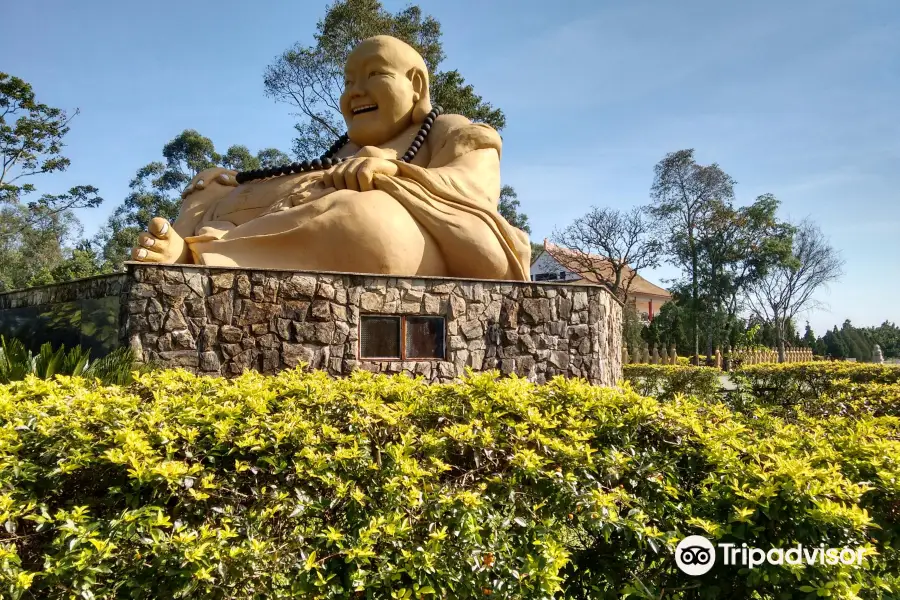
{"points": [[443, 197]]}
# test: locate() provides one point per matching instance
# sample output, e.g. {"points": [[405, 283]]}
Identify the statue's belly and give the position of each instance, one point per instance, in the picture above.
{"points": [[251, 200]]}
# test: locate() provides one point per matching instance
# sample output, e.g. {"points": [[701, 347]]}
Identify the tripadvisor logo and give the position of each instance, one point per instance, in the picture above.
{"points": [[696, 555]]}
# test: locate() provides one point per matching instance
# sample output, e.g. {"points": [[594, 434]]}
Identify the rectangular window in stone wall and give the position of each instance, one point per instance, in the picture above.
{"points": [[379, 337], [424, 337], [402, 337]]}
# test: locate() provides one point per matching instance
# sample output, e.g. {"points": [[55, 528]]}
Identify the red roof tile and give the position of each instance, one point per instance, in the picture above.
{"points": [[601, 272]]}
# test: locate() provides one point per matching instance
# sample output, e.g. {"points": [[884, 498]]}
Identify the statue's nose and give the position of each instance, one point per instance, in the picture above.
{"points": [[355, 91]]}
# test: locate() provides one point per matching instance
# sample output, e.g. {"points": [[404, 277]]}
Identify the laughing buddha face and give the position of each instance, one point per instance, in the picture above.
{"points": [[385, 90]]}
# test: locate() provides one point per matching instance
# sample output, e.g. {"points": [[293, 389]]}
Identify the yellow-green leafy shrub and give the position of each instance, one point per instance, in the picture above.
{"points": [[791, 383], [842, 399], [301, 486], [685, 361], [665, 381]]}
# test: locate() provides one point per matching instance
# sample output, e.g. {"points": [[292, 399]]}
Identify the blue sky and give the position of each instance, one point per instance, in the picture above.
{"points": [[800, 98]]}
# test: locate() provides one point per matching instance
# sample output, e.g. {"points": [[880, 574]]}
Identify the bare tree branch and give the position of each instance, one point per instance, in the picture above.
{"points": [[612, 245], [788, 289]]}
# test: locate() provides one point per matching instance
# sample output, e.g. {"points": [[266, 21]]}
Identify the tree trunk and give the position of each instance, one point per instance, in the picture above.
{"points": [[694, 301], [726, 344], [779, 331]]}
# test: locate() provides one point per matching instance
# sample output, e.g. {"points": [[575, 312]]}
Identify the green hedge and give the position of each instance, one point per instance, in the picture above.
{"points": [[793, 383], [300, 486], [665, 381]]}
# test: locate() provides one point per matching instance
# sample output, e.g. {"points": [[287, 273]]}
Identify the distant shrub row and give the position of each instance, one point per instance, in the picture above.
{"points": [[302, 486], [814, 385], [665, 381], [800, 382]]}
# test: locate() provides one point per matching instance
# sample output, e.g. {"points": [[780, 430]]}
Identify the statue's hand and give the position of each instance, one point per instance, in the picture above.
{"points": [[160, 244], [217, 181], [358, 174]]}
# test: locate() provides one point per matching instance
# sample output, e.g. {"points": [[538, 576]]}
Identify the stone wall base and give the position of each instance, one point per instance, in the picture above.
{"points": [[225, 321]]}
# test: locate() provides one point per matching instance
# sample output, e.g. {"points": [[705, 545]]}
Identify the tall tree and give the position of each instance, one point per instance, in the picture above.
{"points": [[670, 325], [859, 342], [156, 188], [809, 338], [817, 345], [509, 208], [684, 194], [789, 288], [33, 231], [240, 158], [835, 344], [737, 246], [612, 244], [887, 335], [32, 243]]}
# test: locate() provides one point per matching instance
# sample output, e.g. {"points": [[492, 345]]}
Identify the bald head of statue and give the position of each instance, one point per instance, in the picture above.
{"points": [[385, 90]]}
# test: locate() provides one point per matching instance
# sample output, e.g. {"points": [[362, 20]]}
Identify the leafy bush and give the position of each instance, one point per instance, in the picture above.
{"points": [[849, 399], [302, 486], [665, 381], [16, 362], [793, 383]]}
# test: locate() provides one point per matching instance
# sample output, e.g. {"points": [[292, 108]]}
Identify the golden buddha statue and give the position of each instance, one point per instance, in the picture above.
{"points": [[407, 191]]}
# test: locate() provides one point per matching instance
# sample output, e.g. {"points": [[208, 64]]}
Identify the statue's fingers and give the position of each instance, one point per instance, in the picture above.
{"points": [[350, 175], [365, 176], [227, 178], [145, 255], [339, 177], [160, 228], [328, 177]]}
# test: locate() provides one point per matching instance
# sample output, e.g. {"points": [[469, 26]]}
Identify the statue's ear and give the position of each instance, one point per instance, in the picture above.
{"points": [[419, 82], [420, 94]]}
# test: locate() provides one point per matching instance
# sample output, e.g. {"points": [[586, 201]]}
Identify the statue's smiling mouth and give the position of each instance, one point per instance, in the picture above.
{"points": [[364, 109]]}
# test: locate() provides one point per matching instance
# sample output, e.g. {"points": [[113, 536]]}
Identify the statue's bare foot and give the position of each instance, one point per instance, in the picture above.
{"points": [[160, 244]]}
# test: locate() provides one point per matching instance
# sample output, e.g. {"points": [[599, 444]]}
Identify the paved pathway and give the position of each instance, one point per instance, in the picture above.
{"points": [[727, 384]]}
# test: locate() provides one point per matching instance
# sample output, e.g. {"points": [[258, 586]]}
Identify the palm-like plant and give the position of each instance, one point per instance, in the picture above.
{"points": [[16, 362]]}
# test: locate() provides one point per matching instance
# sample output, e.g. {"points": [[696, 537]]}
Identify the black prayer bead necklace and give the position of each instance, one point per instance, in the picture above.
{"points": [[329, 159]]}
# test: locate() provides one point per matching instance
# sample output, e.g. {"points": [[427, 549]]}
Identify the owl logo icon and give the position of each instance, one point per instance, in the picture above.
{"points": [[695, 555]]}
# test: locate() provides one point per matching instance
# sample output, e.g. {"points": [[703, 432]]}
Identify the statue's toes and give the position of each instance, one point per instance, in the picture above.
{"points": [[160, 228], [145, 255], [148, 240]]}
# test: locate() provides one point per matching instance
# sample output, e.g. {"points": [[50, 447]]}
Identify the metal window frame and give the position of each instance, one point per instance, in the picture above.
{"points": [[443, 341], [403, 357], [359, 355]]}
